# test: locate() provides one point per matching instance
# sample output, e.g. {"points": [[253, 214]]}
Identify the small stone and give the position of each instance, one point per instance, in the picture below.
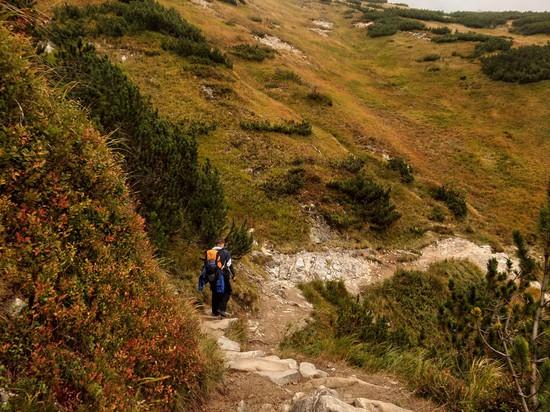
{"points": [[16, 307], [241, 407]]}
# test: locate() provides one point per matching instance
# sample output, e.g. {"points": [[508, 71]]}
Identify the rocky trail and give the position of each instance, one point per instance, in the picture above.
{"points": [[259, 380]]}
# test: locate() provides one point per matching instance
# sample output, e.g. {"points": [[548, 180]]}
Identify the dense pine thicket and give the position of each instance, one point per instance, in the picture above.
{"points": [[97, 326], [117, 18], [160, 159], [523, 64], [532, 24]]}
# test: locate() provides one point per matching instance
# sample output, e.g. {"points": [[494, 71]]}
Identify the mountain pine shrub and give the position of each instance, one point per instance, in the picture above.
{"points": [[160, 159], [370, 201], [454, 200], [239, 240]]}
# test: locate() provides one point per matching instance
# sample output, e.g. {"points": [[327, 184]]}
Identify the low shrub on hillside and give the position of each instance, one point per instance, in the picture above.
{"points": [[440, 30], [302, 128], [287, 75], [433, 57], [320, 98], [454, 200], [99, 328], [369, 201], [522, 65], [351, 163], [492, 45], [405, 169], [253, 52], [287, 184]]}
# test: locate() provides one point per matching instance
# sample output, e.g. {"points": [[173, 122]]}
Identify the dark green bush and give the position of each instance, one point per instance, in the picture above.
{"points": [[370, 201], [430, 58], [383, 29], [286, 184], [239, 240], [440, 30], [253, 52], [454, 200], [207, 209], [291, 127], [351, 163], [405, 170], [523, 65], [161, 161], [492, 45]]}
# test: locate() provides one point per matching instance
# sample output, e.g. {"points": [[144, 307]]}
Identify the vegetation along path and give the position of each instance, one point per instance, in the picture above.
{"points": [[260, 378]]}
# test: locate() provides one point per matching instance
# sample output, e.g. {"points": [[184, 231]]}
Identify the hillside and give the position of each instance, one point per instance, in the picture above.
{"points": [[88, 319], [367, 163], [369, 97]]}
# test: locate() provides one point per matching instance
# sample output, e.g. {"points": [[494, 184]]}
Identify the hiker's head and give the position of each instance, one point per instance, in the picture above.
{"points": [[220, 242]]}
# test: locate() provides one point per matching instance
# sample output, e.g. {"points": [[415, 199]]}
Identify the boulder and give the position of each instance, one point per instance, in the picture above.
{"points": [[377, 406], [259, 364], [232, 355], [228, 344], [309, 371], [323, 400], [292, 364], [281, 378]]}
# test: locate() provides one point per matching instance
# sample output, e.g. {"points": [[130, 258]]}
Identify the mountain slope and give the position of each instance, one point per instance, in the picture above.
{"points": [[450, 122], [88, 320]]}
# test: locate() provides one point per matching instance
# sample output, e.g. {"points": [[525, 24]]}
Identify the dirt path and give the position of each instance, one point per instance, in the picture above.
{"points": [[283, 307]]}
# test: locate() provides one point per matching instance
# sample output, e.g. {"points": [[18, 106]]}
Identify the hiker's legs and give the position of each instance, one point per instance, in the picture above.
{"points": [[224, 300], [227, 293], [217, 299]]}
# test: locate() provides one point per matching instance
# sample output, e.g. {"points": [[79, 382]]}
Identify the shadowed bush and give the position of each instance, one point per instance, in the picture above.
{"points": [[370, 201], [160, 158], [253, 52], [291, 127], [453, 199]]}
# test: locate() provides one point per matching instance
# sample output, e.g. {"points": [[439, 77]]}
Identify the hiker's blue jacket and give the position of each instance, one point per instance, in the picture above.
{"points": [[219, 287]]}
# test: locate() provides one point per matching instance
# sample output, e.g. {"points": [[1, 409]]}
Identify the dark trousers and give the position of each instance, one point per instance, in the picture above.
{"points": [[227, 293], [217, 299]]}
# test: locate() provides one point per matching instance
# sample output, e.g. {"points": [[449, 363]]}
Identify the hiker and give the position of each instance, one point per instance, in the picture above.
{"points": [[218, 272]]}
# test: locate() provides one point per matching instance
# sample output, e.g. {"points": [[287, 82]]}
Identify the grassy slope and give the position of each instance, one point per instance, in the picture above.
{"points": [[488, 138]]}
